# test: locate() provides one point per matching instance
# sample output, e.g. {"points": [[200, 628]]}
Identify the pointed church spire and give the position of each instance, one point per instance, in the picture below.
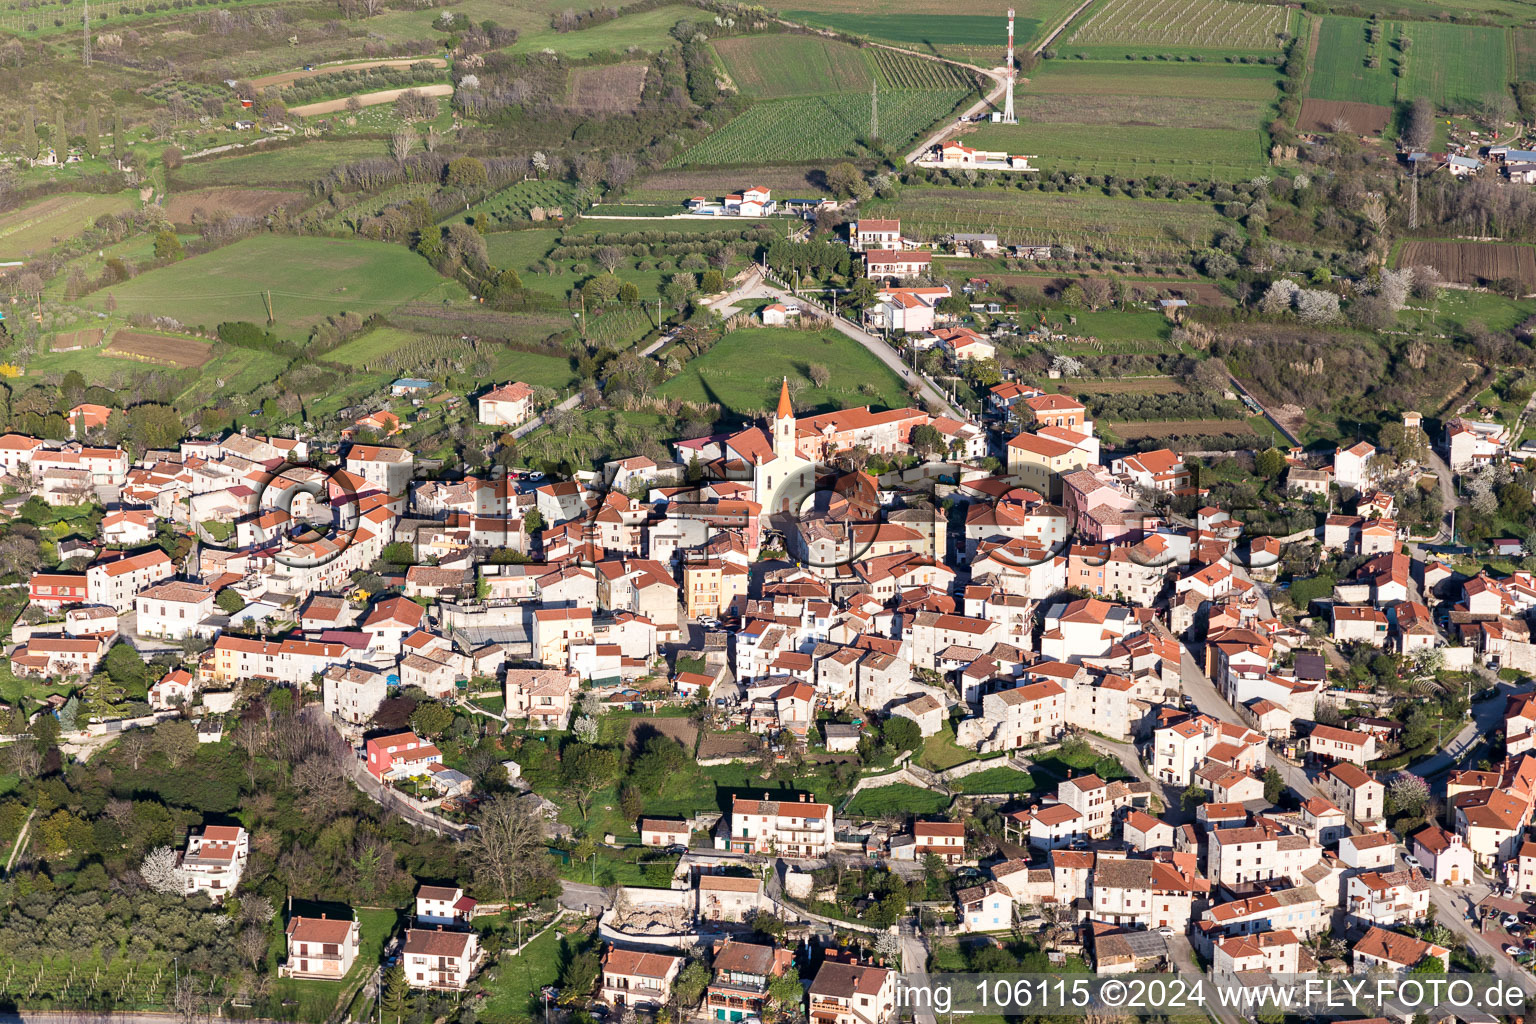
{"points": [[785, 408]]}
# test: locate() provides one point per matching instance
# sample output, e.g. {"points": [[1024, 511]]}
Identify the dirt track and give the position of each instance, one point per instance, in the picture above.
{"points": [[289, 77], [368, 99]]}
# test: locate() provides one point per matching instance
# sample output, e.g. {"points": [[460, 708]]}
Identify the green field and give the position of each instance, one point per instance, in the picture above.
{"points": [[1132, 150], [308, 278], [648, 30], [818, 127], [1040, 218], [278, 165], [742, 372], [376, 344], [1179, 26], [514, 992], [775, 66], [1456, 66], [997, 780], [1525, 53], [48, 222], [898, 799]]}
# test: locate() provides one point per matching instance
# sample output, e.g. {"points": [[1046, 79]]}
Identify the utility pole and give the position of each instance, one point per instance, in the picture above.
{"points": [[85, 25]]}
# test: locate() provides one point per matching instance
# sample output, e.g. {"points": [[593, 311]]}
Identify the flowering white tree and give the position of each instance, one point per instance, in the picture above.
{"points": [[160, 871]]}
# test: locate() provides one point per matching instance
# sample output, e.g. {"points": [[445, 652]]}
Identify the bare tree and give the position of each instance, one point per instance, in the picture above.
{"points": [[609, 258], [251, 944], [401, 143], [508, 849], [1340, 124], [160, 871]]}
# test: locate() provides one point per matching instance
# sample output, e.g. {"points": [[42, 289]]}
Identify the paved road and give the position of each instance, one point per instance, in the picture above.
{"points": [[1451, 909], [583, 898], [988, 101], [1199, 687], [873, 343]]}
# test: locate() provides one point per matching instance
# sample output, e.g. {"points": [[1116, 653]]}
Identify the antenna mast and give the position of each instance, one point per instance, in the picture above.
{"points": [[1008, 115]]}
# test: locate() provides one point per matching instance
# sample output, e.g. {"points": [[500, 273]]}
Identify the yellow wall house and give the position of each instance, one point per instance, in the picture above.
{"points": [[1038, 462]]}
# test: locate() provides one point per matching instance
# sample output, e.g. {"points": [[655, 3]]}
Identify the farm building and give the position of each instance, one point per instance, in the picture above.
{"points": [[777, 314], [409, 386], [954, 154]]}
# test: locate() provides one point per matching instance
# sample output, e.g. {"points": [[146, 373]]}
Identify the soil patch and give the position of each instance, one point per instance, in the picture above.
{"points": [[182, 353]]}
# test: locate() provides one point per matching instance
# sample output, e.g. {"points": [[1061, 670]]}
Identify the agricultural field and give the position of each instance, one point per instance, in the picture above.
{"points": [[185, 207], [1474, 262], [1038, 218], [48, 222], [1093, 94], [1342, 115], [1340, 68], [670, 187], [904, 71], [605, 88], [648, 30], [776, 66], [1525, 54], [74, 341], [375, 345], [1068, 78], [368, 99], [1179, 26], [818, 127], [517, 203], [1454, 65], [978, 39], [308, 279], [278, 164], [742, 373], [1131, 151], [286, 78], [164, 350], [1172, 429]]}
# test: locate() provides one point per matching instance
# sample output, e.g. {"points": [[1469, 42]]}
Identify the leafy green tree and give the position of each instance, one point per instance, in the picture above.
{"points": [[465, 172], [533, 521], [167, 245], [712, 283], [1270, 463], [843, 178], [900, 733], [786, 992], [690, 984], [432, 719], [586, 771], [629, 292], [926, 440], [1274, 785], [229, 601], [1193, 796]]}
